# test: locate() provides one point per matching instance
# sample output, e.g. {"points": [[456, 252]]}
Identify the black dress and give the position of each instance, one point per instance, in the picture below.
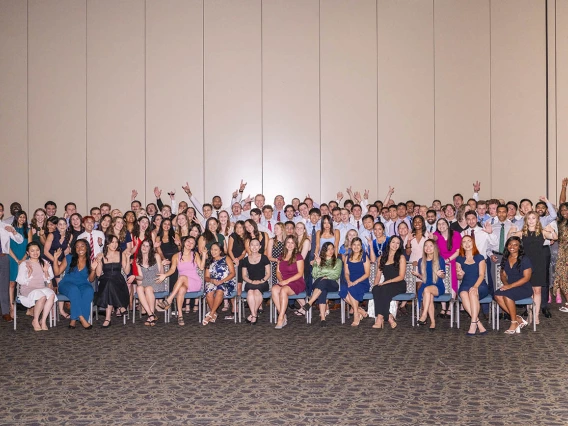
{"points": [[540, 258], [112, 287], [169, 250], [238, 249], [256, 272], [383, 294]]}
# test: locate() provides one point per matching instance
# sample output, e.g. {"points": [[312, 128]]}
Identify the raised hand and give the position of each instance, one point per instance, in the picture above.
{"points": [[366, 194], [543, 198], [340, 196], [487, 227], [186, 189], [357, 196], [565, 182], [134, 195], [235, 193], [459, 271], [248, 199], [172, 194], [242, 186], [10, 229], [157, 192], [391, 190], [57, 253], [477, 186]]}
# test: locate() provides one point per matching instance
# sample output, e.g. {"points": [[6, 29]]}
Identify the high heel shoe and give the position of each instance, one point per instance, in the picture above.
{"points": [[253, 322], [379, 325], [524, 322], [107, 326], [516, 330], [393, 324], [419, 322], [474, 331]]}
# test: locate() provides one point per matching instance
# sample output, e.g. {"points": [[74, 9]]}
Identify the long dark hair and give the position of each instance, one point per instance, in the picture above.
{"points": [[237, 236], [255, 232], [153, 223], [328, 218], [148, 232], [506, 253], [81, 227], [108, 241], [75, 256], [171, 232], [421, 219], [207, 234], [36, 244], [194, 251], [449, 242], [323, 252], [560, 219], [15, 222], [397, 253], [151, 254]]}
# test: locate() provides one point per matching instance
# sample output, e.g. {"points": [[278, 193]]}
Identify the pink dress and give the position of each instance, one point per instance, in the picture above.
{"points": [[288, 271], [189, 269], [445, 253]]}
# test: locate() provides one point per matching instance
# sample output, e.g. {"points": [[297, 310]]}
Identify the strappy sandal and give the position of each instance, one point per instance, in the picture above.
{"points": [[180, 320], [164, 304], [120, 312], [150, 321], [213, 318], [207, 318]]}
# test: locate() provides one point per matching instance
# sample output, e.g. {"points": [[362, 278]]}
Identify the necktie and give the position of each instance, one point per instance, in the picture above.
{"points": [[502, 238], [217, 214], [269, 226], [357, 225], [492, 221], [92, 246], [278, 217], [313, 245], [472, 233]]}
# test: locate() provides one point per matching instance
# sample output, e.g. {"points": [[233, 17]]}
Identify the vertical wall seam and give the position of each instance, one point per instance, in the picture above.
{"points": [[86, 107], [377, 81], [434, 85], [547, 107], [556, 95], [261, 105], [28, 97], [145, 104], [319, 98], [203, 92], [490, 106]]}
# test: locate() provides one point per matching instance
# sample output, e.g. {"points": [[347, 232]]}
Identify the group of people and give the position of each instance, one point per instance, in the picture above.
{"points": [[191, 250]]}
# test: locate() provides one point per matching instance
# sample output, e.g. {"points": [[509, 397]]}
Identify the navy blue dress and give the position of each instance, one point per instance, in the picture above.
{"points": [[514, 274], [439, 282], [471, 275], [356, 271]]}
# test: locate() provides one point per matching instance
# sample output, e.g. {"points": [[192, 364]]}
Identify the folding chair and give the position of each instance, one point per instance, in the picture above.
{"points": [[486, 299], [410, 295], [158, 295], [446, 297]]}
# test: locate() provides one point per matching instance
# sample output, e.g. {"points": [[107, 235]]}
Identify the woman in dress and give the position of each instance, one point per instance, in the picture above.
{"points": [[275, 248], [220, 280], [561, 271], [167, 248], [213, 235], [104, 224], [185, 265], [157, 222], [182, 226], [326, 270], [536, 244], [392, 266], [225, 228], [17, 252], [405, 236], [432, 270], [302, 239], [118, 229], [357, 268], [460, 224], [470, 268], [380, 243], [290, 274], [130, 221], [256, 273], [236, 251], [516, 271], [327, 234], [252, 232], [148, 266], [34, 278], [75, 227], [448, 242], [141, 233], [38, 229], [113, 291], [80, 273]]}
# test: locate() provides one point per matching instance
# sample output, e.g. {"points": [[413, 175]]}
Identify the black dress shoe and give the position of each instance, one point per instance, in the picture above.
{"points": [[546, 313], [323, 323]]}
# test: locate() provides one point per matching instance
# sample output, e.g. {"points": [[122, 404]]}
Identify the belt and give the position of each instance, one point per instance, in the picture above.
{"points": [[3, 254]]}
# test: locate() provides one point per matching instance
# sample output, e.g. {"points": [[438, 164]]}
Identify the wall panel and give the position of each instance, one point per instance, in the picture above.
{"points": [[232, 97], [290, 93], [406, 99], [561, 91], [56, 102], [174, 96], [518, 99], [13, 108], [348, 79], [115, 101], [462, 81]]}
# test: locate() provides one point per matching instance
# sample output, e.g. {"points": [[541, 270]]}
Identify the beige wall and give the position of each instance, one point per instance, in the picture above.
{"points": [[293, 96]]}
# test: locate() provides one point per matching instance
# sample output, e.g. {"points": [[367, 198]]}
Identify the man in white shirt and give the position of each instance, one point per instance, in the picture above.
{"points": [[390, 224], [336, 217], [95, 239], [344, 226], [7, 233], [357, 217], [256, 215], [15, 208], [289, 213], [513, 212], [492, 210], [431, 217], [259, 201], [304, 214], [279, 209], [484, 237], [267, 219], [366, 232], [237, 213], [216, 203]]}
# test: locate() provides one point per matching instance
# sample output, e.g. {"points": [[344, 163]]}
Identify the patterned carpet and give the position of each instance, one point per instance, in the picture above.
{"points": [[227, 374]]}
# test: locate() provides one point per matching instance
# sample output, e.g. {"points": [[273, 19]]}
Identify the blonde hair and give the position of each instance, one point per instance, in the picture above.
{"points": [[282, 228], [304, 236], [179, 231], [435, 261], [347, 243], [538, 227]]}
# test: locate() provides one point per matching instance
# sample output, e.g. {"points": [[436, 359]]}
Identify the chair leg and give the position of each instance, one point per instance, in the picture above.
{"points": [[457, 313], [451, 314], [532, 309], [91, 315], [134, 311], [413, 317], [16, 314], [497, 316]]}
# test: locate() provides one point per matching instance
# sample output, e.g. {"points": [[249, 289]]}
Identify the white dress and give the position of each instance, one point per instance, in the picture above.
{"points": [[32, 287]]}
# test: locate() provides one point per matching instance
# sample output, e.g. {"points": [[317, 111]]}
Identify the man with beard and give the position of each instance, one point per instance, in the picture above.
{"points": [[431, 218]]}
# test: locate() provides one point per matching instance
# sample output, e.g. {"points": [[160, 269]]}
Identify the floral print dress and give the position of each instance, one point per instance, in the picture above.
{"points": [[218, 270]]}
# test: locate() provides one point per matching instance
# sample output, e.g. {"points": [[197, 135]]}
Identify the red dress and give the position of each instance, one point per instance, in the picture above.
{"points": [[136, 243], [288, 271]]}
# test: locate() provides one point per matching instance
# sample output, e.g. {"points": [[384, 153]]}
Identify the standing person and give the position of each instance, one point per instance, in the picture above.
{"points": [[326, 234], [460, 224], [95, 238], [448, 242], [357, 270], [534, 239], [113, 291], [392, 266], [256, 275], [34, 278], [516, 271], [38, 228], [7, 234], [561, 273], [17, 251], [104, 224], [76, 284], [75, 226], [471, 270], [118, 229]]}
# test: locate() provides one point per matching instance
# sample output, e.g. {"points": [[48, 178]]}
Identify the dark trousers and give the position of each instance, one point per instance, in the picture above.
{"points": [[383, 295], [325, 285], [5, 284]]}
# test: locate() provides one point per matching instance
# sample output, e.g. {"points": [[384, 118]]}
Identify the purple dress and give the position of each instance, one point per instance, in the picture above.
{"points": [[288, 271], [445, 253]]}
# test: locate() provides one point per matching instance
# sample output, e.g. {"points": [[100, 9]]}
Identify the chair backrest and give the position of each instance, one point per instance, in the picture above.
{"points": [[497, 279], [201, 274], [448, 279], [410, 279], [373, 273]]}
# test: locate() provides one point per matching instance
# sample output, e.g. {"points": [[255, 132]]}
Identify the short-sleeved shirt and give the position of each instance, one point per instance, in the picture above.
{"points": [[515, 273], [256, 271]]}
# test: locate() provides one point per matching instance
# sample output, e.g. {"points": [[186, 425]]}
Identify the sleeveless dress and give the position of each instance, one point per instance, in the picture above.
{"points": [[189, 269], [326, 240], [445, 253], [36, 239], [169, 249], [430, 279], [277, 249], [515, 273], [217, 271], [149, 278], [56, 244], [379, 248], [539, 256], [561, 269], [289, 271], [19, 251], [112, 287], [471, 274], [356, 271], [238, 249]]}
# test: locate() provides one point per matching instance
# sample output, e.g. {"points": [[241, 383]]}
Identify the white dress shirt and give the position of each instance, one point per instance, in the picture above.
{"points": [[263, 228], [363, 234], [97, 248], [496, 227], [483, 240], [199, 207], [354, 221], [344, 228], [5, 237], [301, 219]]}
